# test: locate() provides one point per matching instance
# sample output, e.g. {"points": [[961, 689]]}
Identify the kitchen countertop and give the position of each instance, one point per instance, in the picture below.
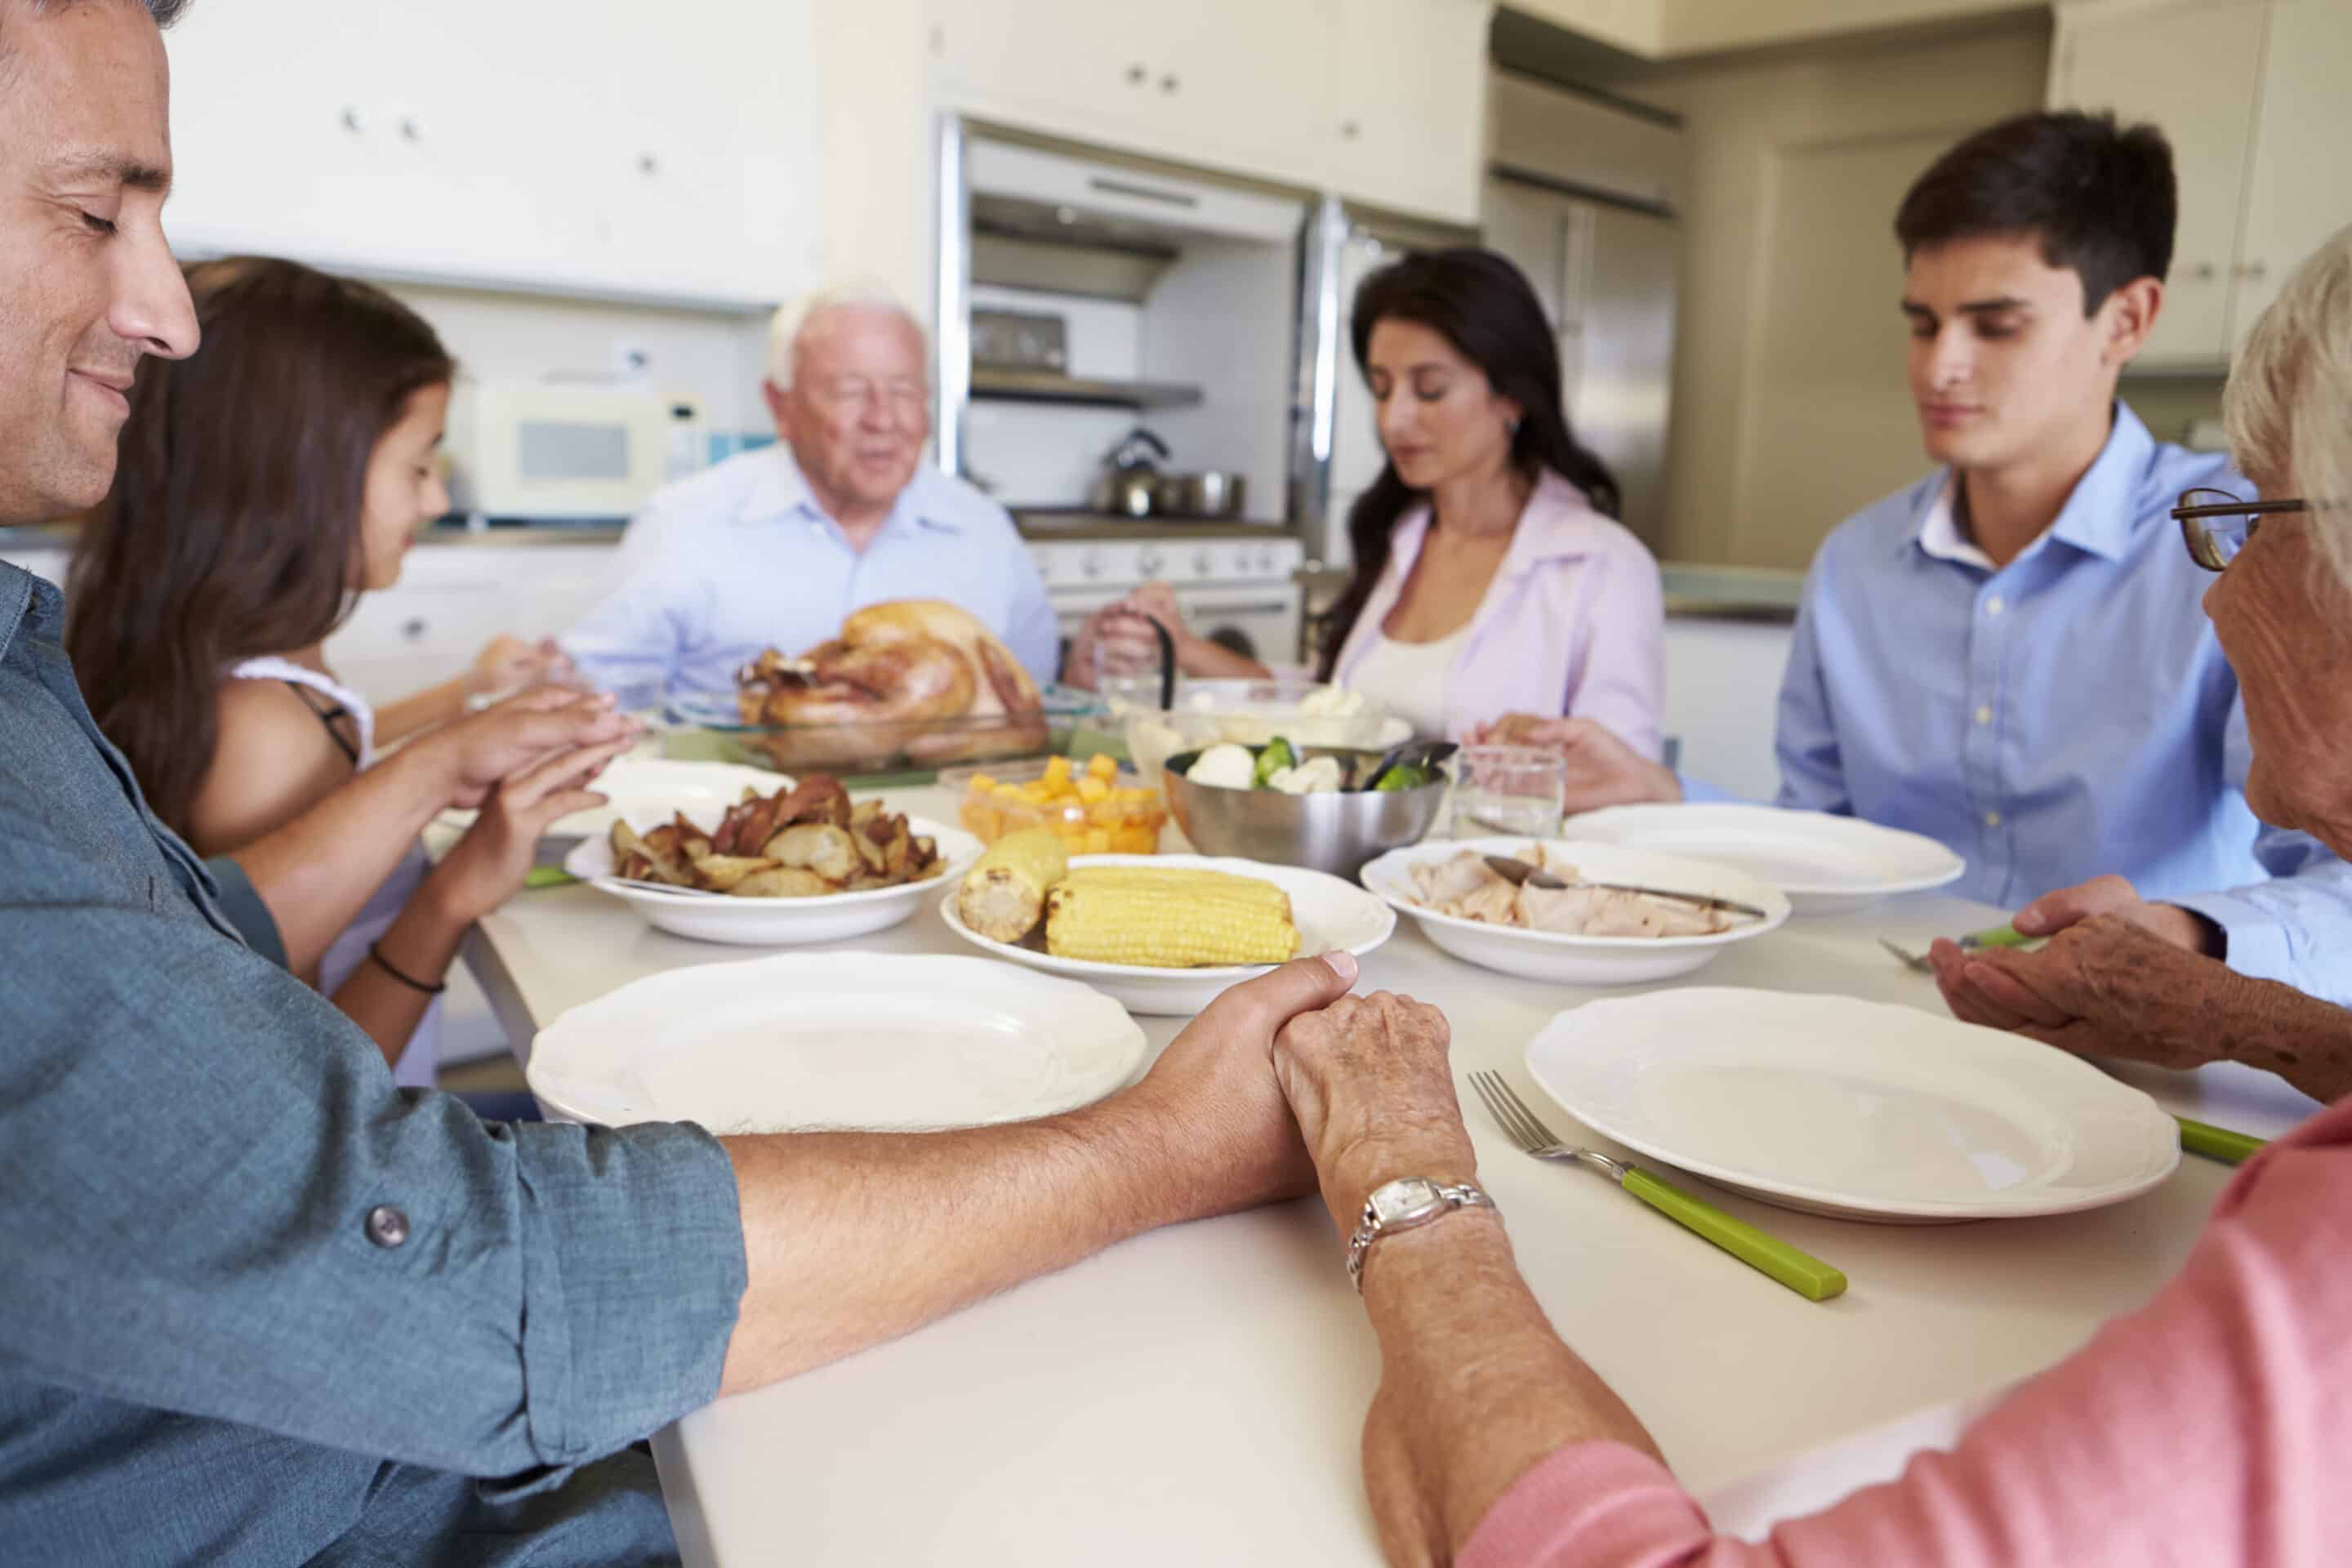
{"points": [[1226, 1362], [1041, 527]]}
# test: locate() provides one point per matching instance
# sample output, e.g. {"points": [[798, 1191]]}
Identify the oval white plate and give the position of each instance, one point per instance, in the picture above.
{"points": [[1579, 960], [769, 922], [838, 1039], [1329, 913], [1860, 1110], [1826, 864], [635, 786]]}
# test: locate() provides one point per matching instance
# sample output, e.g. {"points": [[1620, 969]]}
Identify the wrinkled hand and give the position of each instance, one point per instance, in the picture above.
{"points": [[2054, 912], [1601, 769], [1371, 1085], [2105, 986], [473, 753], [1212, 1096], [487, 866]]}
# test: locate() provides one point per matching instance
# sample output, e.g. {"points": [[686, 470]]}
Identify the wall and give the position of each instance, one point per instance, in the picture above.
{"points": [[1790, 409]]}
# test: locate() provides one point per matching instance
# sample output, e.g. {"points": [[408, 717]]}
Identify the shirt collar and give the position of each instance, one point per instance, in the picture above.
{"points": [[2098, 519], [26, 603], [781, 490]]}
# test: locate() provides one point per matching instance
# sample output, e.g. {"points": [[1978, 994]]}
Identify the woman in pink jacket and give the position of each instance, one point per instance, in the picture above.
{"points": [[1489, 578]]}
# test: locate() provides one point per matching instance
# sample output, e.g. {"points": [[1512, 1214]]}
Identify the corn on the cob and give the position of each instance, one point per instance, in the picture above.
{"points": [[1167, 919], [1004, 894]]}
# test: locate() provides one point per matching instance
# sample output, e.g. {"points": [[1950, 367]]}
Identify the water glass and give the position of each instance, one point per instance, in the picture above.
{"points": [[1516, 790]]}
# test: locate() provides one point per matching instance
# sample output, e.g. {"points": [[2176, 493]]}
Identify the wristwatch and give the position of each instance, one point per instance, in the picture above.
{"points": [[1402, 1205]]}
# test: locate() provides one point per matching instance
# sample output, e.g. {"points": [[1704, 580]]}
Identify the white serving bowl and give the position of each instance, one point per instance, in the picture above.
{"points": [[1567, 960], [769, 922], [1331, 916]]}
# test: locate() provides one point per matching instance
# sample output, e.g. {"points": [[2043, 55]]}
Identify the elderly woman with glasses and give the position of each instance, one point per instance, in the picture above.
{"points": [[2212, 1427]]}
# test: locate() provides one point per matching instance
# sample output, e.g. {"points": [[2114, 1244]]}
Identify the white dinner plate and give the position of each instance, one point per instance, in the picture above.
{"points": [[1331, 914], [1859, 1110], [1826, 864], [768, 922], [634, 785], [1567, 960], [838, 1039]]}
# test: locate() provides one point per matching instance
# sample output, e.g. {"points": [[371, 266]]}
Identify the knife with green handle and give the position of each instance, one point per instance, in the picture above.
{"points": [[1801, 1271], [2219, 1142]]}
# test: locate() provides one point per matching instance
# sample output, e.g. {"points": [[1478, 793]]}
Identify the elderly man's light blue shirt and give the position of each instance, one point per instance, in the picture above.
{"points": [[2066, 715], [742, 558]]}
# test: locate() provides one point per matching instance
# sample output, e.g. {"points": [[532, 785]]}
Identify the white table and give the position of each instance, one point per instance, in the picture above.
{"points": [[1196, 1396]]}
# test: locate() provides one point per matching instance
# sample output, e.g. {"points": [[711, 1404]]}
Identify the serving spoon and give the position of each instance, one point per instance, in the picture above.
{"points": [[1519, 873]]}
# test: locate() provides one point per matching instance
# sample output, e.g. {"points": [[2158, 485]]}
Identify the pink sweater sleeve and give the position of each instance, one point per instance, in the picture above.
{"points": [[2201, 1430]]}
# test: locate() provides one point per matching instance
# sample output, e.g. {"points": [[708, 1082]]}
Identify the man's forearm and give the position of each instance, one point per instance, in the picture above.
{"points": [[316, 873], [854, 1239]]}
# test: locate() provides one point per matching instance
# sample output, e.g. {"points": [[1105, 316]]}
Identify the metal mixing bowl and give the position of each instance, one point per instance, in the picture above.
{"points": [[1335, 832]]}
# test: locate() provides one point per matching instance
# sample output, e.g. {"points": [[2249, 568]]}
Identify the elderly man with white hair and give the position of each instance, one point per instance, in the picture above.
{"points": [[774, 547]]}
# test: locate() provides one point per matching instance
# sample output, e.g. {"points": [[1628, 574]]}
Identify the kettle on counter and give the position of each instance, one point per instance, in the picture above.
{"points": [[1132, 475]]}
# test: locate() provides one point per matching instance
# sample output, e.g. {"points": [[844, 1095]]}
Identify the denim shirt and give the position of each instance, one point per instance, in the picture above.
{"points": [[222, 1228]]}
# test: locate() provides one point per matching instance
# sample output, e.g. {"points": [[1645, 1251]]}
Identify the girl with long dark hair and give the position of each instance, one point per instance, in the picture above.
{"points": [[1490, 581], [263, 486]]}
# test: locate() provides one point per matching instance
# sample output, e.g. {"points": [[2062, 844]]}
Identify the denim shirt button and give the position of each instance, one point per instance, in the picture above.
{"points": [[386, 1225]]}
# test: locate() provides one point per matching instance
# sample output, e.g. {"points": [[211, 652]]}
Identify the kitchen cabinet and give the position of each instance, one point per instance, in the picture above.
{"points": [[453, 598], [1380, 100], [2298, 184], [2250, 94], [616, 155]]}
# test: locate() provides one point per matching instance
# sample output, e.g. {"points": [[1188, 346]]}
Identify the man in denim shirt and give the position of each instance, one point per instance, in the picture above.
{"points": [[221, 1226]]}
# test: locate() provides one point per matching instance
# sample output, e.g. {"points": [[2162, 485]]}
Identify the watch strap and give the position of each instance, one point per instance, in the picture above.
{"points": [[1369, 1227]]}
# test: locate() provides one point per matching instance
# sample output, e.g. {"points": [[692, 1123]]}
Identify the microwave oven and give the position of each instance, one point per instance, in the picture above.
{"points": [[557, 450]]}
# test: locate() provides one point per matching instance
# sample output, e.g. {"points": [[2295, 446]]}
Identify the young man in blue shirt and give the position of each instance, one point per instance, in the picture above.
{"points": [[2009, 655]]}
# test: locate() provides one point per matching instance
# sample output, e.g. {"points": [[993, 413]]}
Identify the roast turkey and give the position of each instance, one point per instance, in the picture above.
{"points": [[918, 678]]}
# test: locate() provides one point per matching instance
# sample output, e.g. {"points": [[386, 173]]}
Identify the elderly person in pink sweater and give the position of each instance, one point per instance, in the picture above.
{"points": [[2201, 1430], [1490, 576]]}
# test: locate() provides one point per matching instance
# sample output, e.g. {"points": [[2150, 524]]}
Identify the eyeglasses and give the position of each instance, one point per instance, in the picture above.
{"points": [[2216, 525]]}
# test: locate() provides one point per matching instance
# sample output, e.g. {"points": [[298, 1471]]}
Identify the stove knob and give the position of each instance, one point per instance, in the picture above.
{"points": [[1149, 562]]}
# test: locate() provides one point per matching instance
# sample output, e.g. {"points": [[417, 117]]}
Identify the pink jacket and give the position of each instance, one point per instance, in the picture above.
{"points": [[1574, 622], [2212, 1427]]}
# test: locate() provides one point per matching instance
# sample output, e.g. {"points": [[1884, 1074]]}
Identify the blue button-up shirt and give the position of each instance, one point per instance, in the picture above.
{"points": [[209, 1352], [740, 558], [2066, 715]]}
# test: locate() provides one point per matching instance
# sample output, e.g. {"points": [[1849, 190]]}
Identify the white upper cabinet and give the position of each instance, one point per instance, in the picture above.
{"points": [[2252, 94], [2299, 183], [613, 152], [1381, 100], [2193, 69]]}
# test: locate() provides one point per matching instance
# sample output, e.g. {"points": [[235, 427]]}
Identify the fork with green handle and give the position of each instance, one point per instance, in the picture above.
{"points": [[2219, 1142], [1999, 936], [1801, 1271]]}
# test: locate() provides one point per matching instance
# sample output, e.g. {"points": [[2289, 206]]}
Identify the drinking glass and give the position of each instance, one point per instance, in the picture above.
{"points": [[1516, 790]]}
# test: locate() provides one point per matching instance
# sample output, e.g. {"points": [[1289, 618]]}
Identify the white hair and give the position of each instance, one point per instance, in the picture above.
{"points": [[792, 322], [2288, 406]]}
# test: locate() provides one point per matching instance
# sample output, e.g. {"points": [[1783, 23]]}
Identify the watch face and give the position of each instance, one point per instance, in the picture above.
{"points": [[1405, 1200]]}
